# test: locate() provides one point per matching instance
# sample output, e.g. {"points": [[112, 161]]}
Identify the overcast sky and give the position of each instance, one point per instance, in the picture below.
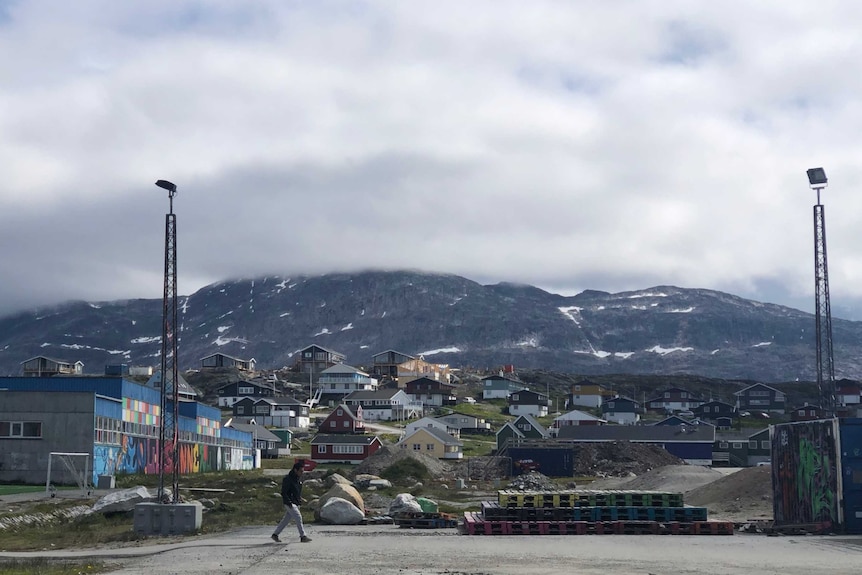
{"points": [[571, 145]]}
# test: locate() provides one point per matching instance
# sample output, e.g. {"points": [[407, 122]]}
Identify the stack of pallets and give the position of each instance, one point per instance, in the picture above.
{"points": [[591, 512], [415, 520]]}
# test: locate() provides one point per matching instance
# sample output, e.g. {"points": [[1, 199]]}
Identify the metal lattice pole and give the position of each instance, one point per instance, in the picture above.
{"points": [[823, 313], [169, 430]]}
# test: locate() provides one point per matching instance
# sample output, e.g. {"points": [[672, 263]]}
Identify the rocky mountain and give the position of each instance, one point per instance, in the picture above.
{"points": [[447, 319]]}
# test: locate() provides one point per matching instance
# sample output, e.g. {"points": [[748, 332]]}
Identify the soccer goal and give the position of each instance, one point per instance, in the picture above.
{"points": [[75, 468]]}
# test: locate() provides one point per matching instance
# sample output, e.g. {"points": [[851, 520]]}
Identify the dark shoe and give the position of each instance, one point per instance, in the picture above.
{"points": [[275, 538], [305, 539]]}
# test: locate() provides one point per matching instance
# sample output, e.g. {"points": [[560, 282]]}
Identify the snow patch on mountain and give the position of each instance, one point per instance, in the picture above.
{"points": [[666, 350]]}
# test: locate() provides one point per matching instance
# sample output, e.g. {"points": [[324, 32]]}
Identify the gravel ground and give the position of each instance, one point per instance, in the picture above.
{"points": [[379, 550]]}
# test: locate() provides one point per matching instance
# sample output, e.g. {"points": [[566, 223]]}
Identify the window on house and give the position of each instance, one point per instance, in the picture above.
{"points": [[515, 397], [338, 412], [245, 390], [752, 444], [346, 423], [321, 449], [417, 447], [802, 412], [611, 405], [333, 423], [737, 445], [24, 429], [577, 388], [429, 447], [764, 445], [722, 445], [240, 409], [666, 394]]}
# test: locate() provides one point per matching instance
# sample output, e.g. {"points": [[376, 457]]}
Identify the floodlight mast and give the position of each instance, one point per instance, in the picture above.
{"points": [[823, 313], [168, 428]]}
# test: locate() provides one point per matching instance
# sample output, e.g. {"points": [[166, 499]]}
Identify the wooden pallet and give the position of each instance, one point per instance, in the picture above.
{"points": [[475, 524], [588, 498], [426, 520]]}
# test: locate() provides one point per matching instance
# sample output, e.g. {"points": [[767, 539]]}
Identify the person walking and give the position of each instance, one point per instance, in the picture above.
{"points": [[291, 496]]}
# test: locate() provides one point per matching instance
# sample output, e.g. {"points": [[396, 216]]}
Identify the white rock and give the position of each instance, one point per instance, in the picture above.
{"points": [[338, 511]]}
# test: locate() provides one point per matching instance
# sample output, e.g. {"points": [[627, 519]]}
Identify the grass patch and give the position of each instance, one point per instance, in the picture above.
{"points": [[13, 489], [404, 468], [46, 567], [474, 447]]}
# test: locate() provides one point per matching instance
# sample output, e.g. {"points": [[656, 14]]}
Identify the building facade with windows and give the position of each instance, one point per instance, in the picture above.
{"points": [[113, 420]]}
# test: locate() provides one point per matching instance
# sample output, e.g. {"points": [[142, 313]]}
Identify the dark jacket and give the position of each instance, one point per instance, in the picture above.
{"points": [[291, 489]]}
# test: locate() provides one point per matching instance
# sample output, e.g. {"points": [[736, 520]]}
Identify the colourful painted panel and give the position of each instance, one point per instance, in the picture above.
{"points": [[805, 473]]}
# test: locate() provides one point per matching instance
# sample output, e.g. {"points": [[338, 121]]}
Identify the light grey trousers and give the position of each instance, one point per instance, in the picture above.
{"points": [[291, 513]]}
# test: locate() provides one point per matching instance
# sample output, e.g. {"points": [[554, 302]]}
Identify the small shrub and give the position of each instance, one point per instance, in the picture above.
{"points": [[404, 469]]}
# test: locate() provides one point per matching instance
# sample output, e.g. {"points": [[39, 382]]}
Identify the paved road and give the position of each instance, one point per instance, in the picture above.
{"points": [[378, 550]]}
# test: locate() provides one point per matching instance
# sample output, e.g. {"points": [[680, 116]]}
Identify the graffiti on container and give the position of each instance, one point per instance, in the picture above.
{"points": [[805, 475]]}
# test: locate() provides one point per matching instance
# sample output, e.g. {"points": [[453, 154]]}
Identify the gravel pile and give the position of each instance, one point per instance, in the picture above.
{"points": [[533, 481], [389, 454], [620, 458]]}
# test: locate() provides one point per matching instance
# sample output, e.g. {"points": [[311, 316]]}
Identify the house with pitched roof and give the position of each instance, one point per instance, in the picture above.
{"points": [[577, 417], [315, 358], [521, 428], [622, 410], [282, 412], [221, 360], [230, 393], [42, 366], [343, 448], [434, 442], [430, 392], [761, 398], [385, 363], [340, 380], [500, 386], [343, 419], [526, 402], [585, 393], [384, 405], [673, 399], [433, 423]]}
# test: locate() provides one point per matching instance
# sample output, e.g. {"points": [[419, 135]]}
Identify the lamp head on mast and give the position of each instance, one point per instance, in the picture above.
{"points": [[171, 188]]}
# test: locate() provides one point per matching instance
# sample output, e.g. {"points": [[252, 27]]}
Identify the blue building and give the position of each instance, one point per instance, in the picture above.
{"points": [[114, 420]]}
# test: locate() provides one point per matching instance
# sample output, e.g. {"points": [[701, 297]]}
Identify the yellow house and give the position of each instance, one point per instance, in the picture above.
{"points": [[434, 442], [589, 394]]}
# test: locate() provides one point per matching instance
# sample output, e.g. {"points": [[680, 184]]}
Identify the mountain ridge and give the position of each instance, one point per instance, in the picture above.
{"points": [[661, 329]]}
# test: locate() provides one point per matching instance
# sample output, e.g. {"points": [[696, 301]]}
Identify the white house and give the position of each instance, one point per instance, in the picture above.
{"points": [[433, 423], [577, 417], [341, 380], [500, 387], [384, 405], [526, 402]]}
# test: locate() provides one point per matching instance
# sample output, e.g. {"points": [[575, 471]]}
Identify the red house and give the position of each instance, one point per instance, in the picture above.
{"points": [[343, 448], [343, 419]]}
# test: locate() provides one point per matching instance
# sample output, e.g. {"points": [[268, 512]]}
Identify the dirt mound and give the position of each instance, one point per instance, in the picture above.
{"points": [[669, 478], [745, 494], [620, 458], [389, 454]]}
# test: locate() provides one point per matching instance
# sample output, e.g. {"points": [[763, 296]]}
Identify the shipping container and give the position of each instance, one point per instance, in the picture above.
{"points": [[817, 474]]}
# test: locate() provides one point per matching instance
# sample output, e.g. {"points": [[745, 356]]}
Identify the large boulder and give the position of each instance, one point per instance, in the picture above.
{"points": [[404, 503], [347, 492], [337, 479], [338, 511], [126, 499], [366, 481]]}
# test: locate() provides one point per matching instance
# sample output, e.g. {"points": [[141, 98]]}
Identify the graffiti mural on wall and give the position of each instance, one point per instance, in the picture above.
{"points": [[140, 455], [805, 473]]}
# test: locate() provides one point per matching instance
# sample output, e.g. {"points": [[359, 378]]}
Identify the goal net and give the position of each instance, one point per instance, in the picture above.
{"points": [[68, 469]]}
